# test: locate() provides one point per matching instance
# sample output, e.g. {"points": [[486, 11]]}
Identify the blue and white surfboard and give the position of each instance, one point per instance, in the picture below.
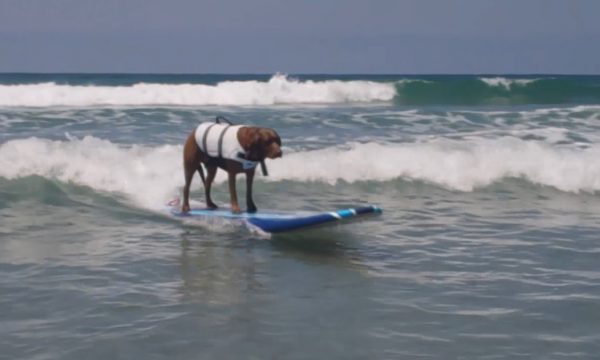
{"points": [[276, 222]]}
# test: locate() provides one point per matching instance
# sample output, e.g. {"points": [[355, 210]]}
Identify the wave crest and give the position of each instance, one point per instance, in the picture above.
{"points": [[279, 89], [151, 175], [507, 83], [500, 91], [457, 165]]}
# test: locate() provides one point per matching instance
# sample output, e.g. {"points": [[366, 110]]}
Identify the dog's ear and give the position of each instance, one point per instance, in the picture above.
{"points": [[255, 151]]}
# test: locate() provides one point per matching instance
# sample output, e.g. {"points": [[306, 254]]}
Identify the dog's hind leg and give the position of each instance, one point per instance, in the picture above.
{"points": [[189, 174], [190, 163]]}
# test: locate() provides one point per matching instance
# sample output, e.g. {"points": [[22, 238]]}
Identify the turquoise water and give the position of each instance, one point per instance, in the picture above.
{"points": [[487, 248]]}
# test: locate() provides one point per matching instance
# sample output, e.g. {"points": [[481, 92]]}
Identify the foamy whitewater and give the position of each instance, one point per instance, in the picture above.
{"points": [[487, 247]]}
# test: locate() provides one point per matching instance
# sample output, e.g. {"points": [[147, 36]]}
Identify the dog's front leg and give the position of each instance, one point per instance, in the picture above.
{"points": [[210, 176], [249, 181], [235, 207]]}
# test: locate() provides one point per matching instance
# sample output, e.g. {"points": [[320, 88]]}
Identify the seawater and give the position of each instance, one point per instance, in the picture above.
{"points": [[487, 247]]}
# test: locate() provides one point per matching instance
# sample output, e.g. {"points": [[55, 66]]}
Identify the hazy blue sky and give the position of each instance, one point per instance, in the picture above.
{"points": [[304, 36]]}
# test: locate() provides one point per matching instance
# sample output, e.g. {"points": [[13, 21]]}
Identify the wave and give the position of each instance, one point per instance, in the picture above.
{"points": [[152, 175], [279, 89], [145, 174], [463, 165], [500, 91], [284, 90], [506, 83]]}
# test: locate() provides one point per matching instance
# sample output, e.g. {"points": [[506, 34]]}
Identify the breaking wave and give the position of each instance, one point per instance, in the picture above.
{"points": [[279, 89], [284, 90], [469, 90], [151, 175]]}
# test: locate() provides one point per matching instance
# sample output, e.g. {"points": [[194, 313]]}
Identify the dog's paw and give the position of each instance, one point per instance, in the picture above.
{"points": [[236, 209], [211, 205], [252, 209], [185, 208]]}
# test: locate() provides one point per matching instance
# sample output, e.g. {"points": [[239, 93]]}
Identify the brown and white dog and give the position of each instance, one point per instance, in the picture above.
{"points": [[235, 149]]}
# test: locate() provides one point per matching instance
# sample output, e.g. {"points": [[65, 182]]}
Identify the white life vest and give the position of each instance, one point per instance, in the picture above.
{"points": [[220, 141]]}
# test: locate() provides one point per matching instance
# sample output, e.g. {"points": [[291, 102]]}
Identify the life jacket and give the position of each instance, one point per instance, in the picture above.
{"points": [[220, 141]]}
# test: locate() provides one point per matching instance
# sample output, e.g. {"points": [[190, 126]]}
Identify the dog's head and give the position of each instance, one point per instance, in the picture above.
{"points": [[260, 143]]}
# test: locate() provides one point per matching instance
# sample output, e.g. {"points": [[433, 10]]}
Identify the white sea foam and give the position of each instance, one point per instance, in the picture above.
{"points": [[280, 89], [145, 174], [460, 165], [412, 81], [152, 175], [506, 83]]}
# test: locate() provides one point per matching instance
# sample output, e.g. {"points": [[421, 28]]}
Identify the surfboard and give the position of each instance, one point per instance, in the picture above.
{"points": [[272, 221]]}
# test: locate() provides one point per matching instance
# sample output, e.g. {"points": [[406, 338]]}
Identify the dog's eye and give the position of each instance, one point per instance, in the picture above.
{"points": [[274, 141]]}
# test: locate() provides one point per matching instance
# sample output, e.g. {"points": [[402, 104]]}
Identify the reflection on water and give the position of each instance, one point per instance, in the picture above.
{"points": [[221, 269]]}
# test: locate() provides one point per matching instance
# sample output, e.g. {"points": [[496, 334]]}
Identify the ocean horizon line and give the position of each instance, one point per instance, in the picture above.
{"points": [[291, 73]]}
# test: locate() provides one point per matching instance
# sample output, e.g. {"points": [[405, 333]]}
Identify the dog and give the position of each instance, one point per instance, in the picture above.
{"points": [[233, 148]]}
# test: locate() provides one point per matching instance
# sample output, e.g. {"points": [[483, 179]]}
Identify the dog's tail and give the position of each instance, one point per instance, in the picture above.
{"points": [[201, 172]]}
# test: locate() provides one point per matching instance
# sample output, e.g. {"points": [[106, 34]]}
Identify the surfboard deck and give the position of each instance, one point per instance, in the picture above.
{"points": [[272, 221]]}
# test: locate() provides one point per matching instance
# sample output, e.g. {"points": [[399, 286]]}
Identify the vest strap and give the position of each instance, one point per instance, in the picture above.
{"points": [[205, 138], [221, 140]]}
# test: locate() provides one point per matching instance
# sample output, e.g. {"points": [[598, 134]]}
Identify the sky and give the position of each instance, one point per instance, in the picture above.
{"points": [[303, 36]]}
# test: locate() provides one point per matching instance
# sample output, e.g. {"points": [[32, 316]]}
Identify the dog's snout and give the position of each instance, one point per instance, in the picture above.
{"points": [[274, 152]]}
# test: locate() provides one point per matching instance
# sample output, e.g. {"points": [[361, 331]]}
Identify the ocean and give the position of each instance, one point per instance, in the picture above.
{"points": [[487, 247]]}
